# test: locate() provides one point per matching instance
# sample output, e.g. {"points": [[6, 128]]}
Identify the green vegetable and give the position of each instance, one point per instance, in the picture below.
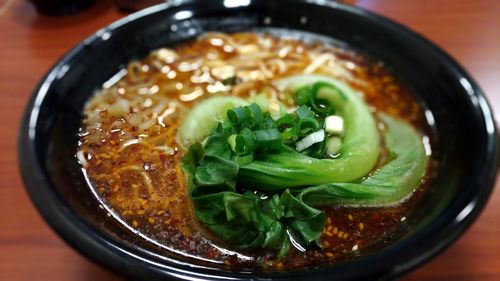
{"points": [[289, 168], [333, 146], [246, 220], [269, 103], [247, 116], [245, 142], [313, 95], [324, 95], [250, 220], [216, 170], [303, 95], [250, 148], [204, 117], [390, 184], [306, 121], [230, 81], [358, 155], [268, 139]]}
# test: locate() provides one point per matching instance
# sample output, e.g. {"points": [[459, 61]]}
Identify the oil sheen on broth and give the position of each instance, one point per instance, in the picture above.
{"points": [[128, 142]]}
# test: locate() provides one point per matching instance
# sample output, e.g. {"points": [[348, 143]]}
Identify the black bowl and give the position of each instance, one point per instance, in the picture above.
{"points": [[454, 106]]}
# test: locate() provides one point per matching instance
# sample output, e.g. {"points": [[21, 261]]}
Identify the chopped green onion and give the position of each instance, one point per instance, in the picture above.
{"points": [[333, 146], [285, 122], [306, 122], [334, 125], [248, 116], [320, 104], [306, 126], [245, 159], [303, 112], [310, 139], [289, 135], [230, 81], [255, 113], [225, 126], [315, 97], [268, 139], [267, 123], [238, 115], [231, 140], [245, 142], [303, 95], [317, 150]]}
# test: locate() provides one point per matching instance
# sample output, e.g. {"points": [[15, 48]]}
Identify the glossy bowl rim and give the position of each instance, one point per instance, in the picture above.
{"points": [[93, 244]]}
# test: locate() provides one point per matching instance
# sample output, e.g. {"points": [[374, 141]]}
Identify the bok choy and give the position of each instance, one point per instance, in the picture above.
{"points": [[252, 188]]}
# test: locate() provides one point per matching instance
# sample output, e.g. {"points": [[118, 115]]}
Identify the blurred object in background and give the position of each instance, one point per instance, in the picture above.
{"points": [[61, 7], [134, 5]]}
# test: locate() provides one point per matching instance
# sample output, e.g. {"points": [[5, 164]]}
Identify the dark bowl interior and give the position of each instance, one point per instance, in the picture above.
{"points": [[454, 105]]}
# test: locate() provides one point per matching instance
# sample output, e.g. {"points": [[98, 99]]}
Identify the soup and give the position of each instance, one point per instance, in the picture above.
{"points": [[249, 151]]}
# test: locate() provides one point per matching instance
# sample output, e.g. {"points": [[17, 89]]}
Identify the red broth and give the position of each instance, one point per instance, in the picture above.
{"points": [[129, 150]]}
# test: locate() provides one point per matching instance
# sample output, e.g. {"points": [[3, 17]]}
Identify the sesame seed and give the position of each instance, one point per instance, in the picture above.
{"points": [[361, 226], [350, 217], [329, 220], [330, 255], [340, 234], [151, 220], [387, 79], [135, 223], [355, 247], [346, 235], [335, 230], [392, 87]]}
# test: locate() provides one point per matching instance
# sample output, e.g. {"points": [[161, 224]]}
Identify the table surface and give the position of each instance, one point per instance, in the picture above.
{"points": [[29, 44]]}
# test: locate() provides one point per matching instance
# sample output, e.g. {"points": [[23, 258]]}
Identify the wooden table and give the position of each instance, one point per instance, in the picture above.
{"points": [[29, 44]]}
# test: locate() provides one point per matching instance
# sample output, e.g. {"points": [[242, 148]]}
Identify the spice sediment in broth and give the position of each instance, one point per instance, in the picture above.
{"points": [[129, 149]]}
